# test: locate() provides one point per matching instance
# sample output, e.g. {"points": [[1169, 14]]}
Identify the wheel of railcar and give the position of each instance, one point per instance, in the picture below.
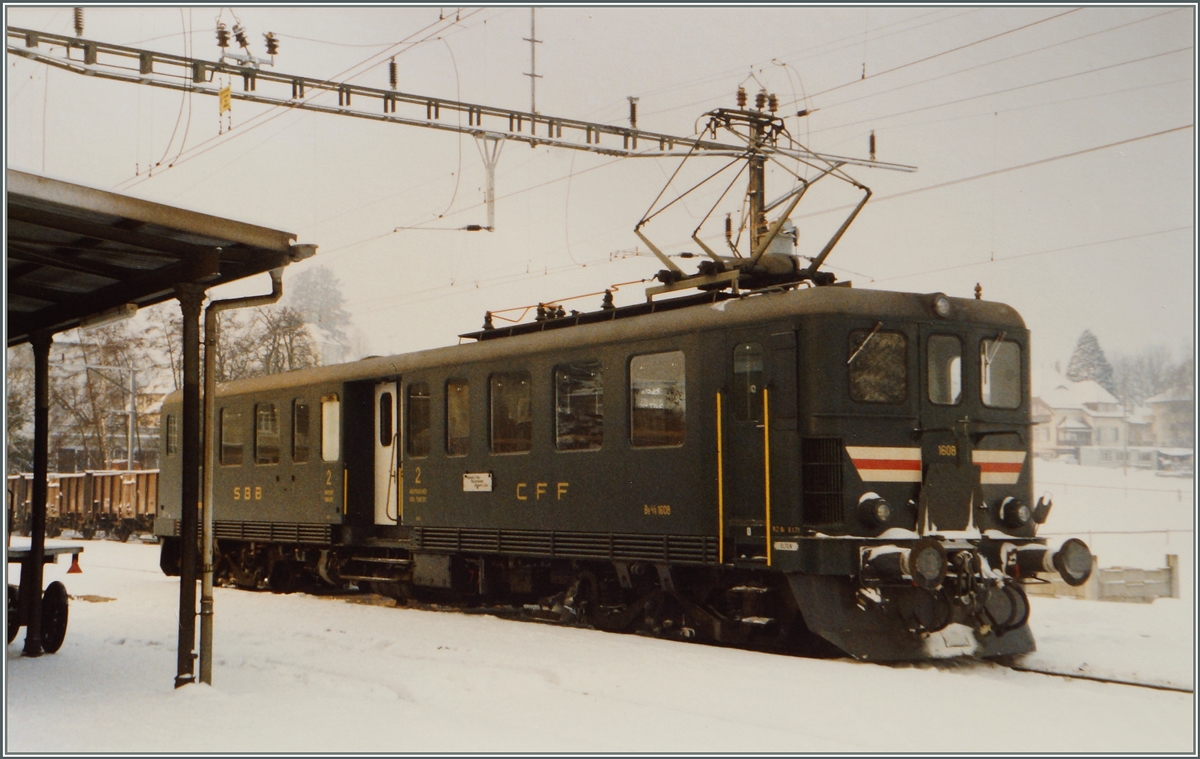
{"points": [[14, 623], [284, 577], [54, 617]]}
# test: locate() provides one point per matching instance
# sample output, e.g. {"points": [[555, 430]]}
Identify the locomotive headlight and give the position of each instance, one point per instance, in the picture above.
{"points": [[873, 510], [927, 563], [941, 306], [1014, 513]]}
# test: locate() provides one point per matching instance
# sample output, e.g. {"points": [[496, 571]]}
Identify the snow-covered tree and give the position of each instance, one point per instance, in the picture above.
{"points": [[317, 295], [1088, 363]]}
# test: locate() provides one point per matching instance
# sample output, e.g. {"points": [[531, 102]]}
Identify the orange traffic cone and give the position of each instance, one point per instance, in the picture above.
{"points": [[75, 570]]}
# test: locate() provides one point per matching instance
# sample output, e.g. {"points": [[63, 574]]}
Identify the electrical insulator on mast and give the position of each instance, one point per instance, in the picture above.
{"points": [[392, 73], [741, 97], [633, 112], [239, 32], [272, 43], [773, 103], [871, 145], [79, 22], [222, 36], [729, 228], [760, 100]]}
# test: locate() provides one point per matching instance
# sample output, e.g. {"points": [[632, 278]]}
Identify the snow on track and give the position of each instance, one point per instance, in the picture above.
{"points": [[318, 674]]}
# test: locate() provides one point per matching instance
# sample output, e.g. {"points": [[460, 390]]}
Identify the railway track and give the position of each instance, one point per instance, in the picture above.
{"points": [[1099, 679], [543, 615]]}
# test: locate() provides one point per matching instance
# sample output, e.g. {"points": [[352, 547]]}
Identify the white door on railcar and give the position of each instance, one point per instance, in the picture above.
{"points": [[387, 449]]}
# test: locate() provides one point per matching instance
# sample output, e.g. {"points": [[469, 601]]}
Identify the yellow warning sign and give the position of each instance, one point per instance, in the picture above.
{"points": [[226, 99]]}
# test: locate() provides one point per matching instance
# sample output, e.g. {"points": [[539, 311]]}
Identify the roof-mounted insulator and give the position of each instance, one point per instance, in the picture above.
{"points": [[541, 313], [729, 228], [222, 36], [607, 304], [239, 32], [741, 97], [487, 321], [392, 78], [272, 43], [773, 103], [633, 112], [760, 100], [978, 291], [79, 22]]}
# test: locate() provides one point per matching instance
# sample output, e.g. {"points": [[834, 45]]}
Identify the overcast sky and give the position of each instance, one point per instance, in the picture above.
{"points": [[1054, 146]]}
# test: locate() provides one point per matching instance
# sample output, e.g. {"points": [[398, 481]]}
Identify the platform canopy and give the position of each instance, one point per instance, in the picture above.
{"points": [[75, 253]]}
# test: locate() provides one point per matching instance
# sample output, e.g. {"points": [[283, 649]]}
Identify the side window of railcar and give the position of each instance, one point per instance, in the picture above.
{"points": [[657, 399], [944, 367], [266, 434], [458, 417], [747, 382], [1000, 372], [172, 435], [578, 406], [331, 428], [299, 431], [509, 398], [418, 419], [878, 366], [230, 434]]}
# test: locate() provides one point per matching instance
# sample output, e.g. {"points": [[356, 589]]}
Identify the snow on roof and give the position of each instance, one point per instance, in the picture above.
{"points": [[1071, 423], [1171, 396], [1067, 394]]}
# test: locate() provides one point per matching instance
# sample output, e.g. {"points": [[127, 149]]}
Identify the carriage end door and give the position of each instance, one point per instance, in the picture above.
{"points": [[387, 449]]}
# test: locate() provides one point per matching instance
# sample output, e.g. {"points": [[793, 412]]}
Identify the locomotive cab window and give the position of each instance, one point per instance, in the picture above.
{"points": [[418, 419], [1000, 373], [747, 382], [266, 434], [458, 417], [331, 428], [657, 399], [578, 406], [877, 363], [299, 432], [230, 434], [944, 369], [509, 398]]}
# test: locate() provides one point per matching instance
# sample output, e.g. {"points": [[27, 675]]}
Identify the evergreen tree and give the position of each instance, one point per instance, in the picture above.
{"points": [[1088, 363]]}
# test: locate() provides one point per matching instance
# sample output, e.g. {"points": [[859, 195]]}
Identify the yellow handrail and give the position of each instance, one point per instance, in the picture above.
{"points": [[720, 489], [767, 467]]}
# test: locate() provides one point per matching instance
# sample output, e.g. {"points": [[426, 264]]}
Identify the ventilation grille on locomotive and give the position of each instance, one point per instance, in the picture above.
{"points": [[277, 532], [821, 459], [675, 549]]}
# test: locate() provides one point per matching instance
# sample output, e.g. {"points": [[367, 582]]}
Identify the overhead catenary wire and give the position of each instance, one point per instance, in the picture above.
{"points": [[275, 111], [876, 119], [947, 52], [896, 88]]}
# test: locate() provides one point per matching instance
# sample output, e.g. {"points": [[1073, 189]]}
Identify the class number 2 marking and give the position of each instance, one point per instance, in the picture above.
{"points": [[243, 493]]}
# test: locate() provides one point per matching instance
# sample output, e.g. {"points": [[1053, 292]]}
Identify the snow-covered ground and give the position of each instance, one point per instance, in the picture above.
{"points": [[333, 674]]}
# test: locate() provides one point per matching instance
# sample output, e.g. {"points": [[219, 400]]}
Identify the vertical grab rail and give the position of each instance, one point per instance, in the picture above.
{"points": [[767, 468], [720, 488]]}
